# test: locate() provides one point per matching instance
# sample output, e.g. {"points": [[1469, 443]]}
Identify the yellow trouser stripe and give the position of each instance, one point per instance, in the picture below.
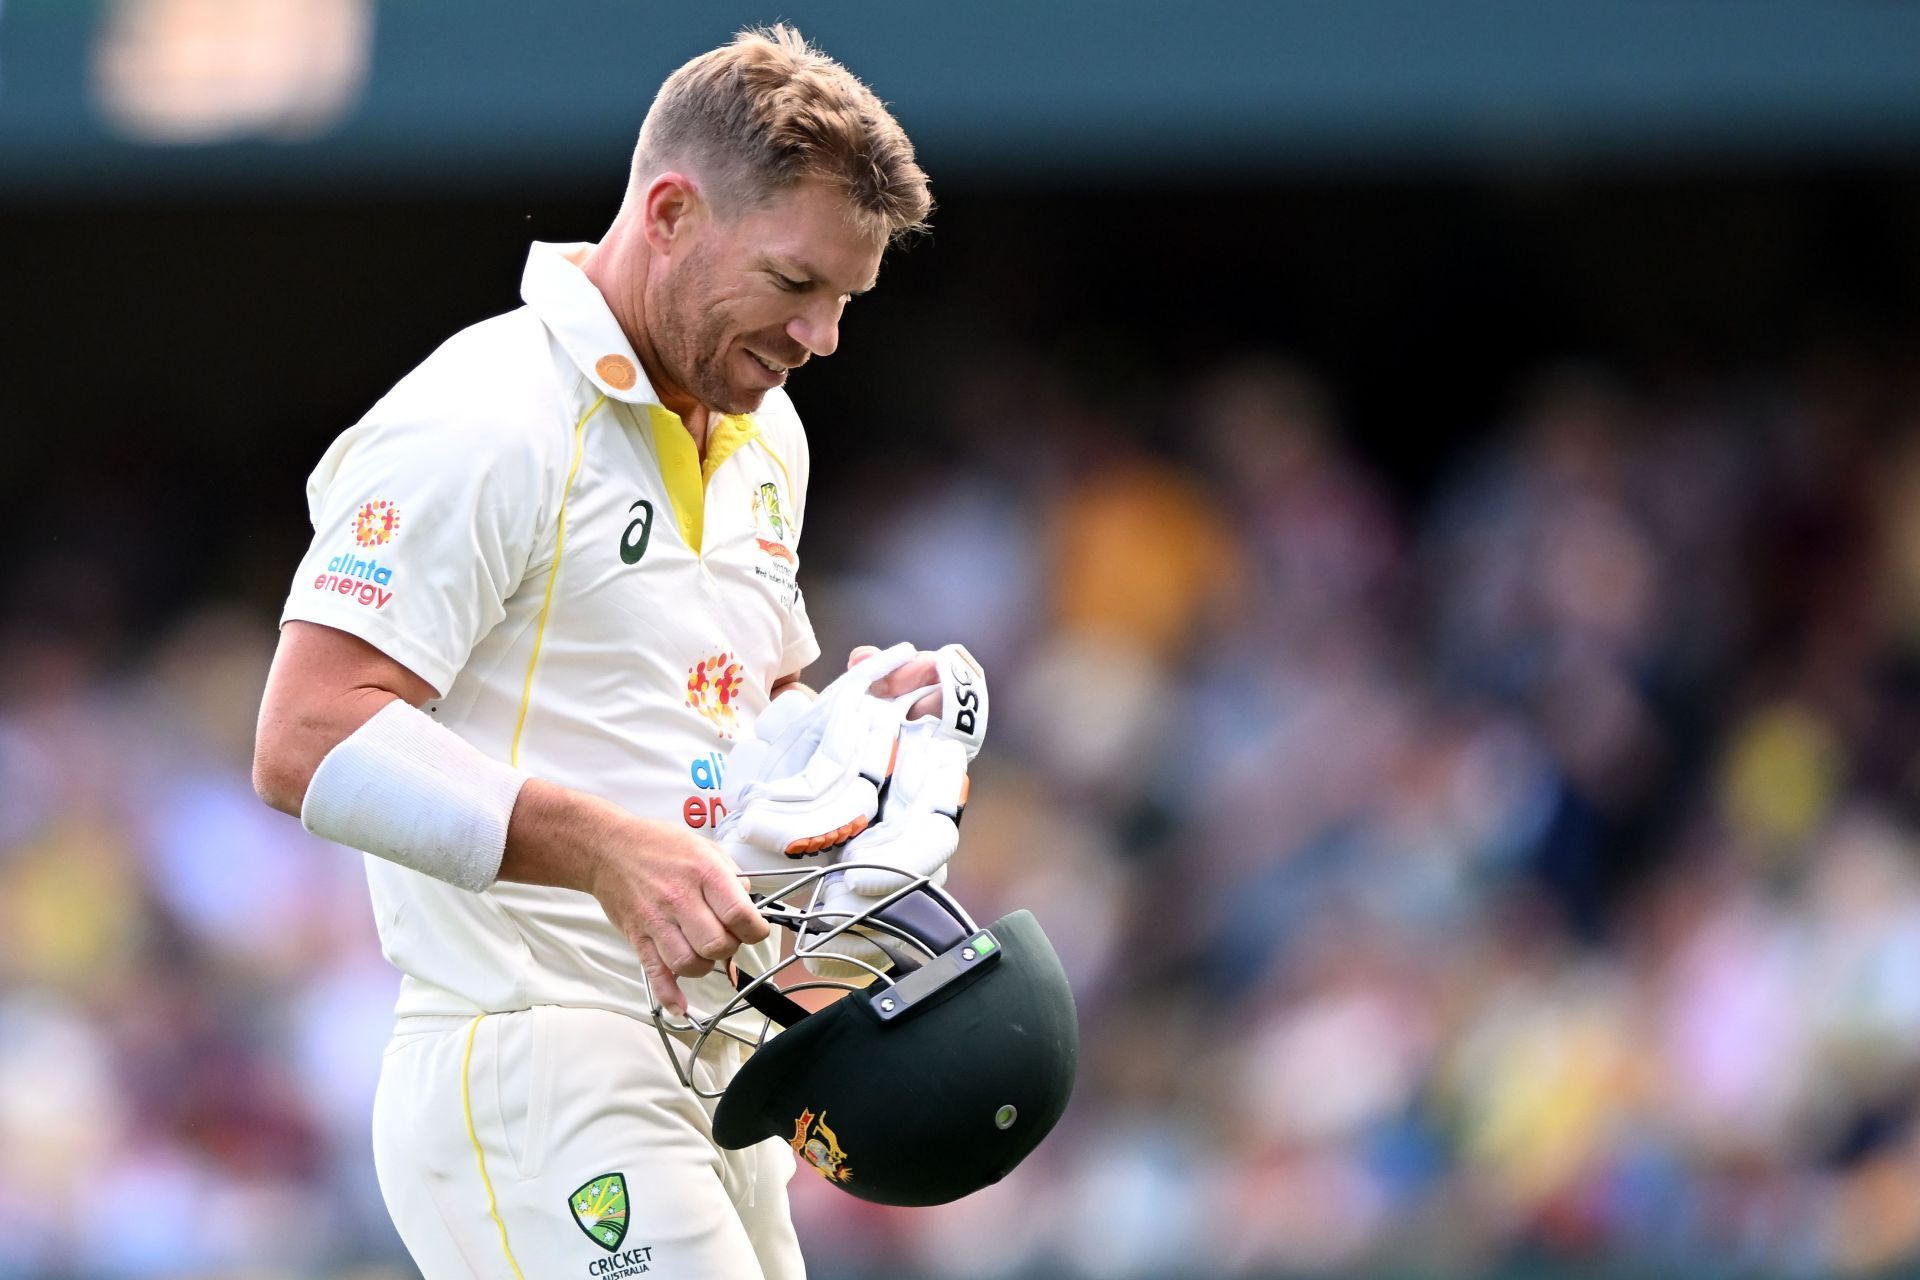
{"points": [[546, 604], [466, 1101]]}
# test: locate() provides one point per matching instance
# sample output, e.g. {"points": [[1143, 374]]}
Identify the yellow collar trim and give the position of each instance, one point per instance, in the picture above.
{"points": [[685, 474]]}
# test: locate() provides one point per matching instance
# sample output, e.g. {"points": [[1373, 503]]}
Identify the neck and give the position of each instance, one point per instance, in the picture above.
{"points": [[618, 267]]}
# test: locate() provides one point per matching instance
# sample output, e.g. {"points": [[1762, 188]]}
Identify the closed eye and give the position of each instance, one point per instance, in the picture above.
{"points": [[790, 285]]}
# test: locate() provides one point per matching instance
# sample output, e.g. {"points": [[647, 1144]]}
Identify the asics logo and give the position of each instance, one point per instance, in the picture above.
{"points": [[633, 543]]}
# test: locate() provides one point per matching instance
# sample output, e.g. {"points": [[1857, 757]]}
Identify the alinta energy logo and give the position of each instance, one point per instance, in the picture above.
{"points": [[705, 808], [376, 523], [364, 581], [713, 689]]}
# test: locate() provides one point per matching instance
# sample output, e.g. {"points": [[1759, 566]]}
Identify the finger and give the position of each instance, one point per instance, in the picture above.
{"points": [[927, 706], [706, 933], [711, 941], [735, 910], [917, 673], [679, 953], [666, 992]]}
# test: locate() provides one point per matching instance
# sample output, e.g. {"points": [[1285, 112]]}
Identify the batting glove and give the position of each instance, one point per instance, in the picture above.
{"points": [[809, 779], [963, 697], [917, 828], [918, 825]]}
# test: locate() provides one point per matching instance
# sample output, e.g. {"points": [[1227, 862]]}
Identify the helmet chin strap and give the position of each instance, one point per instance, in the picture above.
{"points": [[767, 999]]}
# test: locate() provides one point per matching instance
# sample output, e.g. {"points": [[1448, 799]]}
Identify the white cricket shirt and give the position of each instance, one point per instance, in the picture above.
{"points": [[520, 523]]}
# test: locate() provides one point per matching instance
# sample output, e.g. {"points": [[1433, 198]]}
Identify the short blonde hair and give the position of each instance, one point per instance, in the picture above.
{"points": [[768, 111]]}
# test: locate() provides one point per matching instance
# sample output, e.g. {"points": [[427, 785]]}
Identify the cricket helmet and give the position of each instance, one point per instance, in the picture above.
{"points": [[939, 1070]]}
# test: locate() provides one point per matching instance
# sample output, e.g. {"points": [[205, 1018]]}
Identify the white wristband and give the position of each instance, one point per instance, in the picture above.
{"points": [[405, 788]]}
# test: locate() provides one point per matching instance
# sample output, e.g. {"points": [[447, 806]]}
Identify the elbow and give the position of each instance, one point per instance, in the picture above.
{"points": [[275, 780]]}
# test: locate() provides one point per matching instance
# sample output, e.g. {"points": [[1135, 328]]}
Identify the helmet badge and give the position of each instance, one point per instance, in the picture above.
{"points": [[820, 1147]]}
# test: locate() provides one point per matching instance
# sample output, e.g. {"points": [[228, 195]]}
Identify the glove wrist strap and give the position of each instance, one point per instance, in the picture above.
{"points": [[963, 697]]}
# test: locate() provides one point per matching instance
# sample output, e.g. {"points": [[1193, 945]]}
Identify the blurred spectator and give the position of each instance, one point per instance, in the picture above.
{"points": [[1520, 870]]}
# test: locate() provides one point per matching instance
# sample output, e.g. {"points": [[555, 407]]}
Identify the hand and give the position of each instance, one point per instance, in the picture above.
{"points": [[955, 685], [918, 673], [678, 899]]}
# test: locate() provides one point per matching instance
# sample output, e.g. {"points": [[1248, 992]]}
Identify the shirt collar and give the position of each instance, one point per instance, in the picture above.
{"points": [[571, 307]]}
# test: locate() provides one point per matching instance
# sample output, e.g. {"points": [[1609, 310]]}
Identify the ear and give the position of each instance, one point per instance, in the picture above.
{"points": [[670, 208]]}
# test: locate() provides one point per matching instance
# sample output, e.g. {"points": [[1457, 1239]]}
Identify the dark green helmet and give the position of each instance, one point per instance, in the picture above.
{"points": [[932, 1081]]}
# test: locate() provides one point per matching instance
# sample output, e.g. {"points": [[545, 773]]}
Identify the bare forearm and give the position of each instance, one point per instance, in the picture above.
{"points": [[670, 891], [559, 836]]}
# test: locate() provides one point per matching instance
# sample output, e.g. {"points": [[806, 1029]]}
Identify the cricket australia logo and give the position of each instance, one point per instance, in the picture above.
{"points": [[600, 1209], [820, 1147], [769, 519], [766, 509]]}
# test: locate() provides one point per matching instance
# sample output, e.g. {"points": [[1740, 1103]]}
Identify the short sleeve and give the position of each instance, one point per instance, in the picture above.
{"points": [[422, 528], [799, 647]]}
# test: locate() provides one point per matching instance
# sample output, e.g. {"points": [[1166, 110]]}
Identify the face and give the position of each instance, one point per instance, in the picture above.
{"points": [[750, 297]]}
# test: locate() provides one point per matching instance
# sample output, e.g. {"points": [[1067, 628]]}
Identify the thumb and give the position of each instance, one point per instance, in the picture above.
{"points": [[860, 651]]}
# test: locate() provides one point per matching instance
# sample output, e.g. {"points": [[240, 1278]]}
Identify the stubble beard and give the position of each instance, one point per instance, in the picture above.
{"points": [[692, 338]]}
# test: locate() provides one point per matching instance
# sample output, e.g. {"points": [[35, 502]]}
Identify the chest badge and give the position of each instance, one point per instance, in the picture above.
{"points": [[770, 524]]}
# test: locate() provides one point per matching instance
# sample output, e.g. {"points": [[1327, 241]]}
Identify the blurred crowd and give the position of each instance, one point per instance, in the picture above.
{"points": [[1519, 863]]}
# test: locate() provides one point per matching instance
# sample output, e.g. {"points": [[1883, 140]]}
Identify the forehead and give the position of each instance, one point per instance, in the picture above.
{"points": [[810, 227]]}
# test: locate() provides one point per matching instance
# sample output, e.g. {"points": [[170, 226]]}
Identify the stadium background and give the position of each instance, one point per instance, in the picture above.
{"points": [[1437, 488]]}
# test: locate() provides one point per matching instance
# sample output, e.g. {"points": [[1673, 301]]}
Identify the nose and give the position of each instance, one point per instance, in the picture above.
{"points": [[818, 328]]}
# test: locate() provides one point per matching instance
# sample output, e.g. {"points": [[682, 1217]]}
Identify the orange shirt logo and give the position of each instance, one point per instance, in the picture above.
{"points": [[376, 523]]}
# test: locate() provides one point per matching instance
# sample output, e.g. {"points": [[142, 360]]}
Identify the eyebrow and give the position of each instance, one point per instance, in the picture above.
{"points": [[793, 268]]}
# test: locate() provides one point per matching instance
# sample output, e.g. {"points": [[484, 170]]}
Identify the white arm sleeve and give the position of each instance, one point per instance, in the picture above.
{"points": [[405, 788]]}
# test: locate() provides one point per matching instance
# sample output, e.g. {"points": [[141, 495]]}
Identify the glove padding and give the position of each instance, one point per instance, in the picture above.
{"points": [[831, 959], [917, 831], [809, 779], [918, 826]]}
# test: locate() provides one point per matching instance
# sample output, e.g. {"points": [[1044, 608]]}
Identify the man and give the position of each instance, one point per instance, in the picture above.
{"points": [[551, 583]]}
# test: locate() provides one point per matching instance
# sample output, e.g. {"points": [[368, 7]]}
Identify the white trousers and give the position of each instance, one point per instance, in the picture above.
{"points": [[558, 1144]]}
